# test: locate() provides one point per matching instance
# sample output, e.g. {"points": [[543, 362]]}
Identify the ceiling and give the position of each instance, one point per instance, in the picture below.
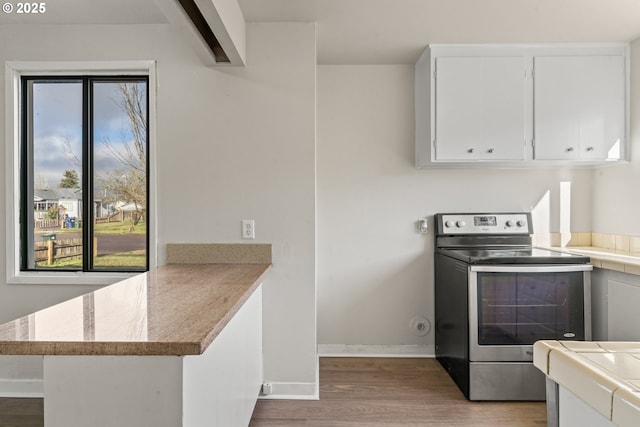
{"points": [[395, 31], [388, 31]]}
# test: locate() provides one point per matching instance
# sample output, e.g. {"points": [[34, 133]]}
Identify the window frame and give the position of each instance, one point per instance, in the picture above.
{"points": [[14, 71], [87, 84]]}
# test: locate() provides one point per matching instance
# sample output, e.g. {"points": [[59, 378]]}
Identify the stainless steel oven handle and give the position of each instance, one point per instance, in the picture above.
{"points": [[562, 268]]}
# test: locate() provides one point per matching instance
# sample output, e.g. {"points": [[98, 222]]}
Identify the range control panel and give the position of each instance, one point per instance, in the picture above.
{"points": [[495, 223]]}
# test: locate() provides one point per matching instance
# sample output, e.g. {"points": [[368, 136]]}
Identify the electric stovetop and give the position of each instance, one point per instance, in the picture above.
{"points": [[495, 238], [524, 255]]}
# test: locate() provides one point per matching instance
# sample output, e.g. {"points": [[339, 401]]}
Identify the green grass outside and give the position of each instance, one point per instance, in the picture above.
{"points": [[123, 259], [121, 228], [135, 259]]}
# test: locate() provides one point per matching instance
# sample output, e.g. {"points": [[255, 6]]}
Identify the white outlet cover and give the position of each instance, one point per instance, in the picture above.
{"points": [[420, 326], [248, 229]]}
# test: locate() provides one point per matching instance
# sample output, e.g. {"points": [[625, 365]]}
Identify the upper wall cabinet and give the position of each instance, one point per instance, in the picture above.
{"points": [[521, 105], [480, 108], [579, 107]]}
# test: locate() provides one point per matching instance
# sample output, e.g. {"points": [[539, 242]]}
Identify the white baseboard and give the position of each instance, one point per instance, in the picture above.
{"points": [[362, 350], [21, 388], [293, 391]]}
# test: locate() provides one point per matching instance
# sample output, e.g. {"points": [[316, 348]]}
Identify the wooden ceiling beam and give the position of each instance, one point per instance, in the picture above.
{"points": [[205, 30]]}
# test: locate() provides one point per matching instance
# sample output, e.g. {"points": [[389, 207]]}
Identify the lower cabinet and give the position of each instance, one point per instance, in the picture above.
{"points": [[572, 411], [614, 302], [218, 388]]}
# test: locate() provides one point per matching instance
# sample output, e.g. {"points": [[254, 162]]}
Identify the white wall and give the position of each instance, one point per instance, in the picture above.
{"points": [[375, 273], [245, 148], [616, 200], [233, 143]]}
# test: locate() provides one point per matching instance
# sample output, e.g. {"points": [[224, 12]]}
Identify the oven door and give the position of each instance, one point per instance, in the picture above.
{"points": [[513, 306]]}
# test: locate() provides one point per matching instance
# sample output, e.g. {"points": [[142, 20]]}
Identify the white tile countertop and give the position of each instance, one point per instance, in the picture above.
{"points": [[609, 259], [616, 252], [605, 375]]}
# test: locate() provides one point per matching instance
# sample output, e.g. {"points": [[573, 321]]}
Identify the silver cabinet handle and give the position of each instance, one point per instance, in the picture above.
{"points": [[490, 150], [569, 149], [470, 150], [589, 148]]}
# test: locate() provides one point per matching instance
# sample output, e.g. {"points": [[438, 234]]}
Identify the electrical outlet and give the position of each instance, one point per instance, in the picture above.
{"points": [[423, 226], [267, 389], [420, 326], [248, 229]]}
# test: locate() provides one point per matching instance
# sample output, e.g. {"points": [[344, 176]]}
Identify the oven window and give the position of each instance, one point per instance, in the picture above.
{"points": [[521, 308]]}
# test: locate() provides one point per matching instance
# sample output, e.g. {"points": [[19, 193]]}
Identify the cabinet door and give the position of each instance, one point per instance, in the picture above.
{"points": [[479, 108], [579, 107]]}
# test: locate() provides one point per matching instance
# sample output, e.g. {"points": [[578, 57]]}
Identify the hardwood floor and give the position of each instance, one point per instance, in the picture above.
{"points": [[21, 412], [372, 392], [359, 392]]}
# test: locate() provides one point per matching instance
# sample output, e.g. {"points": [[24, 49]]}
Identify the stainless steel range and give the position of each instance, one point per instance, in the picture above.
{"points": [[495, 295]]}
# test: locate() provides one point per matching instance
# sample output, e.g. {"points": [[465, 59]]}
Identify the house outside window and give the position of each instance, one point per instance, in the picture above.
{"points": [[81, 165]]}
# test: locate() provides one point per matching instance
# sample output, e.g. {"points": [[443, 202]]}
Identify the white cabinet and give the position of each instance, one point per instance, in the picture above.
{"points": [[480, 108], [521, 105], [579, 107]]}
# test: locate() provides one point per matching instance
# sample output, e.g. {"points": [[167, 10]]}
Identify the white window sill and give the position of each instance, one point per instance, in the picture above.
{"points": [[68, 278]]}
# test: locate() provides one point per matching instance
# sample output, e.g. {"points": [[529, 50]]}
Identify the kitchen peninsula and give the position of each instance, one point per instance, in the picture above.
{"points": [[590, 383], [180, 345]]}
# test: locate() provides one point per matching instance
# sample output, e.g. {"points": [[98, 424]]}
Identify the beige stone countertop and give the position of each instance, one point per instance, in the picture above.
{"points": [[605, 375], [177, 309], [609, 259]]}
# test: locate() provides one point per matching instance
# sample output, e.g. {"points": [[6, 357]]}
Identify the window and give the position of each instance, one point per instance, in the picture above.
{"points": [[84, 173]]}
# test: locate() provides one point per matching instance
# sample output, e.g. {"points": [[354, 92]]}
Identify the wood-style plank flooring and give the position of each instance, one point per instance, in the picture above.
{"points": [[21, 412], [372, 392], [359, 392]]}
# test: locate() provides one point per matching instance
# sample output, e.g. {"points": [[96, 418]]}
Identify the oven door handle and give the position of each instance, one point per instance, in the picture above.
{"points": [[562, 268]]}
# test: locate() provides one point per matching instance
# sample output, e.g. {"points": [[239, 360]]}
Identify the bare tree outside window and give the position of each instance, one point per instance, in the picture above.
{"points": [[128, 183], [120, 165]]}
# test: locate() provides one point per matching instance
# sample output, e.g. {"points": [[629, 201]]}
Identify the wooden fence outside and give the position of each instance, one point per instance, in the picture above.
{"points": [[119, 216], [52, 250], [47, 223]]}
